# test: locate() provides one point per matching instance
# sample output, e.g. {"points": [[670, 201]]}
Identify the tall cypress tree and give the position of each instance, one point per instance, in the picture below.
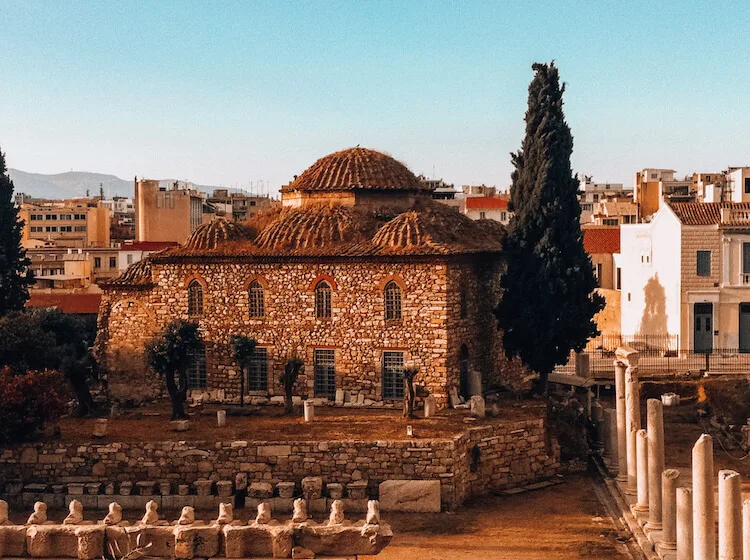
{"points": [[15, 267], [549, 298]]}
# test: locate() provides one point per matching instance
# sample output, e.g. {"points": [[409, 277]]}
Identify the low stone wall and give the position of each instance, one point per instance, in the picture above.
{"points": [[482, 459]]}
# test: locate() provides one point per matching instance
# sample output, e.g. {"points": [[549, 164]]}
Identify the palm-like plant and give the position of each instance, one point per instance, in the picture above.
{"points": [[243, 348]]}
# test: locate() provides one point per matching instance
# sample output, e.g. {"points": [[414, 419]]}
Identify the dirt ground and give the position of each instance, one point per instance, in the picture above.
{"points": [[563, 522], [263, 423]]}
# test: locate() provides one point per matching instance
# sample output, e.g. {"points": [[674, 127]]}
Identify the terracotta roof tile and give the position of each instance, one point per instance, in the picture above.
{"points": [[601, 240], [358, 168], [67, 303], [708, 213], [486, 202]]}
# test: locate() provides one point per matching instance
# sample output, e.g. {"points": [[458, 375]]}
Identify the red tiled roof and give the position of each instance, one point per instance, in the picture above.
{"points": [[148, 245], [67, 303], [705, 213], [601, 240], [486, 202], [358, 168]]}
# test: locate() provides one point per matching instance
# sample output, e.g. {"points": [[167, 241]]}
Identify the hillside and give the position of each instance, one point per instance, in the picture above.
{"points": [[76, 183]]}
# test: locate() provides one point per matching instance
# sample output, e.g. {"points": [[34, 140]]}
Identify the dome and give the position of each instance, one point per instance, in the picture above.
{"points": [[356, 168], [137, 274], [215, 232], [437, 228], [315, 226]]}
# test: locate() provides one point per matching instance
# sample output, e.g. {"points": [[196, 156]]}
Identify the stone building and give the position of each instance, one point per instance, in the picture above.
{"points": [[359, 273]]}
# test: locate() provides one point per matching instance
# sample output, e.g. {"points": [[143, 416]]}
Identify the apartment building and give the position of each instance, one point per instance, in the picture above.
{"points": [[654, 186], [74, 222], [238, 206], [168, 213], [592, 194]]}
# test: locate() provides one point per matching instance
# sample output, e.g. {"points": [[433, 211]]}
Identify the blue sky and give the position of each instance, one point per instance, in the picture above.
{"points": [[233, 92]]}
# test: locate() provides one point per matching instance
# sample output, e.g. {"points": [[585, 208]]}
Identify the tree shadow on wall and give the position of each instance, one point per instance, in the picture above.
{"points": [[654, 319]]}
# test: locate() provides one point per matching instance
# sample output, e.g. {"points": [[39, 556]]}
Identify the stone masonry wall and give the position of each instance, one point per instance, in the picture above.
{"points": [[428, 333], [511, 453]]}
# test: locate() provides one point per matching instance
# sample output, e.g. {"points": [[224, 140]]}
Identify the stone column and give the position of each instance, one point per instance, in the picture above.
{"points": [[669, 480], [684, 531], [655, 428], [730, 516], [622, 433], [612, 442], [704, 516], [642, 459], [633, 423], [746, 530]]}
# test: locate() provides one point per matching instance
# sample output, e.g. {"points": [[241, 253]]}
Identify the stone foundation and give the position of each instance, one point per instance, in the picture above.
{"points": [[483, 459]]}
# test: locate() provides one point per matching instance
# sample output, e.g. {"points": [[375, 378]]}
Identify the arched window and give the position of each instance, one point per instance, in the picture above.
{"points": [[195, 299], [255, 299], [323, 300], [392, 293]]}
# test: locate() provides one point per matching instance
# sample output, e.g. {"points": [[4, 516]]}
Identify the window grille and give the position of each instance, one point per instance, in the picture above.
{"points": [[323, 300], [325, 373], [256, 300], [195, 299], [392, 294], [393, 375], [196, 372], [257, 371]]}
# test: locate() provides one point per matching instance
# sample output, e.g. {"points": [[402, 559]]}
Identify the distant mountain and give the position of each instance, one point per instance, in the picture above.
{"points": [[70, 184], [76, 183]]}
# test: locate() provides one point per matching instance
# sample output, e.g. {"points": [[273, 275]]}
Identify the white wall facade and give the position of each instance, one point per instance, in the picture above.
{"points": [[650, 262]]}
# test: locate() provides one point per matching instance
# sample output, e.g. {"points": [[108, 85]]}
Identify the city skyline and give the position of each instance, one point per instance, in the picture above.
{"points": [[228, 94]]}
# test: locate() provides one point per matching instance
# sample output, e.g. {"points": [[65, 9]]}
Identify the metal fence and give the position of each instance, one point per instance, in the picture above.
{"points": [[660, 360]]}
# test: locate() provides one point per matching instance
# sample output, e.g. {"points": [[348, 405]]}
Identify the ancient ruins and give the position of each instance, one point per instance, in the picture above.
{"points": [[188, 537]]}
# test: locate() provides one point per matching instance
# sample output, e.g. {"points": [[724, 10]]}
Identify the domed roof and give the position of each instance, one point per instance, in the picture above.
{"points": [[315, 226], [215, 232], [137, 274], [356, 168], [438, 229]]}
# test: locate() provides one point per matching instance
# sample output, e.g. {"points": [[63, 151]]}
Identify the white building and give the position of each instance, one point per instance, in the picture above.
{"points": [[487, 208], [687, 273]]}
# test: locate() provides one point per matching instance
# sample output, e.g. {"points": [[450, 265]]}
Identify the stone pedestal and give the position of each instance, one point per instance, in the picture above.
{"points": [[655, 430], [669, 480], [100, 427], [633, 424], [684, 532], [221, 418], [621, 425], [704, 520], [309, 411], [203, 487], [285, 490], [641, 505], [430, 405], [477, 406], [224, 488], [730, 515]]}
